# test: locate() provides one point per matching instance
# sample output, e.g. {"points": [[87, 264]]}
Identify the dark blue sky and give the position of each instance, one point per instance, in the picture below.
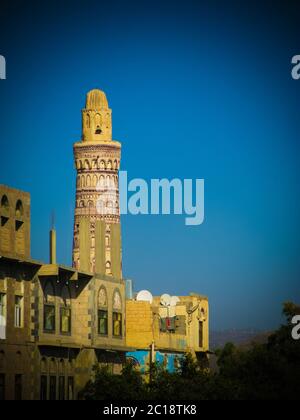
{"points": [[198, 90]]}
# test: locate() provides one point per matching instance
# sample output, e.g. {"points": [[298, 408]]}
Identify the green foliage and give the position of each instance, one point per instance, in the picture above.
{"points": [[264, 371]]}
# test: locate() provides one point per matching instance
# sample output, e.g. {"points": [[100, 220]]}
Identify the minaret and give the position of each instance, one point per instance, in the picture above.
{"points": [[97, 236]]}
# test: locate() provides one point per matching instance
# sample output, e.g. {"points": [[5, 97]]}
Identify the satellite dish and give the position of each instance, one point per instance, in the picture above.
{"points": [[174, 300], [165, 300], [144, 296]]}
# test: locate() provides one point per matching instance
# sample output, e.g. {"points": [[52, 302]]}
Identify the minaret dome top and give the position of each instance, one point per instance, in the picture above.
{"points": [[96, 99]]}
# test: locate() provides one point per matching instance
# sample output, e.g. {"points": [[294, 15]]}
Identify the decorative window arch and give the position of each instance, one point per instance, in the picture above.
{"points": [[117, 300], [102, 311], [102, 297]]}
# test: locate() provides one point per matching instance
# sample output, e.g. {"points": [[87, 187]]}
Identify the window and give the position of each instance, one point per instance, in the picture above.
{"points": [[102, 312], [52, 394], [4, 203], [44, 388], [102, 322], [117, 324], [65, 310], [70, 388], [49, 318], [49, 308], [2, 316], [2, 386], [65, 320], [18, 387], [18, 311], [61, 388], [19, 209], [200, 333]]}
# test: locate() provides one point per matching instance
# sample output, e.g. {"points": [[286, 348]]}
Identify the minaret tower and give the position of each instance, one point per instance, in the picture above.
{"points": [[97, 237]]}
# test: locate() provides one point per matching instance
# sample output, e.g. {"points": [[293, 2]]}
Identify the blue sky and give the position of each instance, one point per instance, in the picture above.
{"points": [[198, 90]]}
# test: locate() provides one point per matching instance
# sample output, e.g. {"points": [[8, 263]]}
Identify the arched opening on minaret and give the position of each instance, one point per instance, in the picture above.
{"points": [[98, 130]]}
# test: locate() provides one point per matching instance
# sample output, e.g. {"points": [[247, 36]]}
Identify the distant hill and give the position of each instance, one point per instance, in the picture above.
{"points": [[238, 337]]}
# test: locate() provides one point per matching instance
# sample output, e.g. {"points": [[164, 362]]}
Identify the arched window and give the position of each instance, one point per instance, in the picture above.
{"points": [[95, 180], [4, 203], [88, 181], [102, 312], [108, 267], [102, 297], [98, 123], [117, 301], [49, 308], [65, 310], [61, 367], [117, 314], [19, 209], [87, 164], [44, 365], [52, 365], [88, 121]]}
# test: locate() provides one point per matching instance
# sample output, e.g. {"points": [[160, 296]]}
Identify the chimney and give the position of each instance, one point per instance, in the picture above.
{"points": [[52, 246]]}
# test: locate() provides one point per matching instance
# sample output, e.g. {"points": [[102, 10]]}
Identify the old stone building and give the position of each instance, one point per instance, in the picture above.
{"points": [[164, 332], [57, 322]]}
